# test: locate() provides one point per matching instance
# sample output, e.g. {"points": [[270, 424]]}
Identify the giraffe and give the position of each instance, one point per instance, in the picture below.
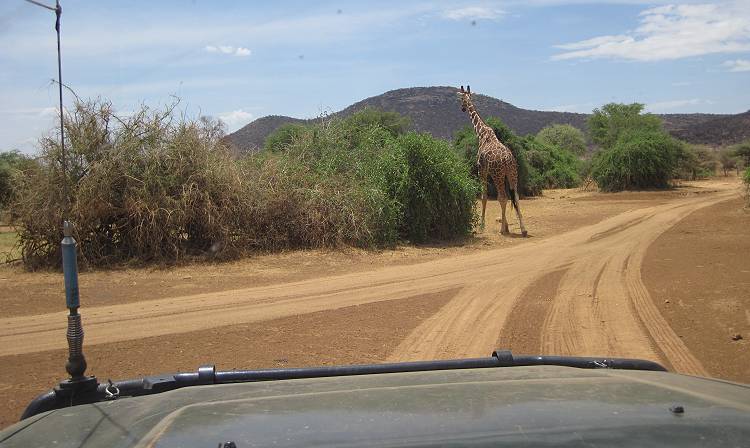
{"points": [[496, 160]]}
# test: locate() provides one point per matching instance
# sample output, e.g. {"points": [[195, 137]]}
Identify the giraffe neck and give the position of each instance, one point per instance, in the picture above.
{"points": [[476, 120], [483, 131]]}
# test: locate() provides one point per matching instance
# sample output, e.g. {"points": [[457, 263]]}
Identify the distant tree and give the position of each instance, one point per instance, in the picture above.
{"points": [[742, 150], [10, 163], [564, 136], [393, 122], [283, 136], [695, 162], [727, 160], [611, 120]]}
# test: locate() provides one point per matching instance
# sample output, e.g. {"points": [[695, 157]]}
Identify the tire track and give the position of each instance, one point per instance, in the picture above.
{"points": [[522, 332], [489, 285]]}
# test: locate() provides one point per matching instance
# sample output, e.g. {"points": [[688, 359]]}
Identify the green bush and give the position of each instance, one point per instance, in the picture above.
{"points": [[392, 122], [440, 196], [335, 188], [564, 136], [639, 159], [414, 186], [742, 151], [695, 162], [610, 121], [555, 167], [11, 164], [727, 160], [283, 136]]}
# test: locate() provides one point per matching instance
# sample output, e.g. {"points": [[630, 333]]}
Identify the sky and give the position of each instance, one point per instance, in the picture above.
{"points": [[239, 61]]}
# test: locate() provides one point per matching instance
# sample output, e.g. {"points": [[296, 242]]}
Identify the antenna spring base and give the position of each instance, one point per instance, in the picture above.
{"points": [[76, 365]]}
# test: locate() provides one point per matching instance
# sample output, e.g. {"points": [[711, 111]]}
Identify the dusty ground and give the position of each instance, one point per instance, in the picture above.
{"points": [[575, 287], [698, 274]]}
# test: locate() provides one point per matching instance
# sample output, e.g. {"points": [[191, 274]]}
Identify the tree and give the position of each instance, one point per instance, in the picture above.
{"points": [[283, 136], [564, 136], [639, 159], [608, 123], [557, 167], [695, 162], [727, 161], [10, 163], [742, 150], [393, 122]]}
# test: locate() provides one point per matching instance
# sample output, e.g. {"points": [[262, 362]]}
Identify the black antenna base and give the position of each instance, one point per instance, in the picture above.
{"points": [[78, 391]]}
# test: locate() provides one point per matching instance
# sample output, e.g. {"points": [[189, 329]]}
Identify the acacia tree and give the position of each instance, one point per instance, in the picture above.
{"points": [[11, 162], [742, 150], [608, 123], [727, 160], [564, 136]]}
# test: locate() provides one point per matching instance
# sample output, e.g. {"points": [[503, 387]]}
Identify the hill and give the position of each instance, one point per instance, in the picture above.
{"points": [[719, 130], [436, 110]]}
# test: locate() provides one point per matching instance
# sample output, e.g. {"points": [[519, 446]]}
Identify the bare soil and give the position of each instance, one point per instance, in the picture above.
{"points": [[370, 333], [698, 274], [574, 287]]}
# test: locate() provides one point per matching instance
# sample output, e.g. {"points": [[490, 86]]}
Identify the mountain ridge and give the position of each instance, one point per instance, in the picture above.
{"points": [[436, 110]]}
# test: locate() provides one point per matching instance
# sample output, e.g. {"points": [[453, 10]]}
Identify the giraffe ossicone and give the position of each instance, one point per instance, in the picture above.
{"points": [[494, 160]]}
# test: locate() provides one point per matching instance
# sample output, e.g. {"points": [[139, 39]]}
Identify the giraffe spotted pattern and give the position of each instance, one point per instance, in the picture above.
{"points": [[494, 160]]}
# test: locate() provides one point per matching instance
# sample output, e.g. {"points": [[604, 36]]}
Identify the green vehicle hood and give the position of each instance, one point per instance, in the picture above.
{"points": [[516, 406]]}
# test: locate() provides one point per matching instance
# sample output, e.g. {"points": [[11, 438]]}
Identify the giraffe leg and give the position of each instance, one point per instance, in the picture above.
{"points": [[518, 213], [484, 202], [502, 198], [504, 225]]}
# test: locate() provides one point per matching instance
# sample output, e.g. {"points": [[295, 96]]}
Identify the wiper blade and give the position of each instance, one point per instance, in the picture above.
{"points": [[207, 375]]}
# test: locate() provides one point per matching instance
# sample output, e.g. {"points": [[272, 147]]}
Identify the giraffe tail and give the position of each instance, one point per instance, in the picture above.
{"points": [[511, 193]]}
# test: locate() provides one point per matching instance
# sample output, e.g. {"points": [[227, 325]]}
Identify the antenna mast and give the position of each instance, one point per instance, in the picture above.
{"points": [[76, 387]]}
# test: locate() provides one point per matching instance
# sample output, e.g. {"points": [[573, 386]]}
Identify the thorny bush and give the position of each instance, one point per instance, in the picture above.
{"points": [[155, 187]]}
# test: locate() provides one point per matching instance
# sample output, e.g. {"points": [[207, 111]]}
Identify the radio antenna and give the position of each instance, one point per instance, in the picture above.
{"points": [[78, 385]]}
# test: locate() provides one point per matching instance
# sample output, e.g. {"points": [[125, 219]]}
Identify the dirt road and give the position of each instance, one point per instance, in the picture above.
{"points": [[601, 306]]}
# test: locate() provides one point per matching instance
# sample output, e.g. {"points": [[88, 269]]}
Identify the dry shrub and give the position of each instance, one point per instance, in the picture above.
{"points": [[156, 188], [142, 188]]}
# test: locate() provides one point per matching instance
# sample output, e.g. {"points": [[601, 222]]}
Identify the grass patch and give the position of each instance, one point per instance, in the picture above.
{"points": [[9, 248]]}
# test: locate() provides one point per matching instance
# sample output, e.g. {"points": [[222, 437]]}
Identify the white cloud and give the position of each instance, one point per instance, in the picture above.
{"points": [[228, 49], [473, 13], [235, 119], [49, 112], [738, 65], [681, 83], [672, 32], [661, 106]]}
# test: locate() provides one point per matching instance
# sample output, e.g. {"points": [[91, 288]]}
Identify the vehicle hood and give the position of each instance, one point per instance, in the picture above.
{"points": [[516, 406]]}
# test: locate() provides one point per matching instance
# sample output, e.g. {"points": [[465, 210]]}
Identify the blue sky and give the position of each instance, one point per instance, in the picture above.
{"points": [[244, 60]]}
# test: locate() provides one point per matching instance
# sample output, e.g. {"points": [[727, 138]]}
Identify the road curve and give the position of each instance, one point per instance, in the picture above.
{"points": [[600, 308]]}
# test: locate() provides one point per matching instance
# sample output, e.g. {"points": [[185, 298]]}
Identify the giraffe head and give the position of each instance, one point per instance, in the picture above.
{"points": [[465, 98]]}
